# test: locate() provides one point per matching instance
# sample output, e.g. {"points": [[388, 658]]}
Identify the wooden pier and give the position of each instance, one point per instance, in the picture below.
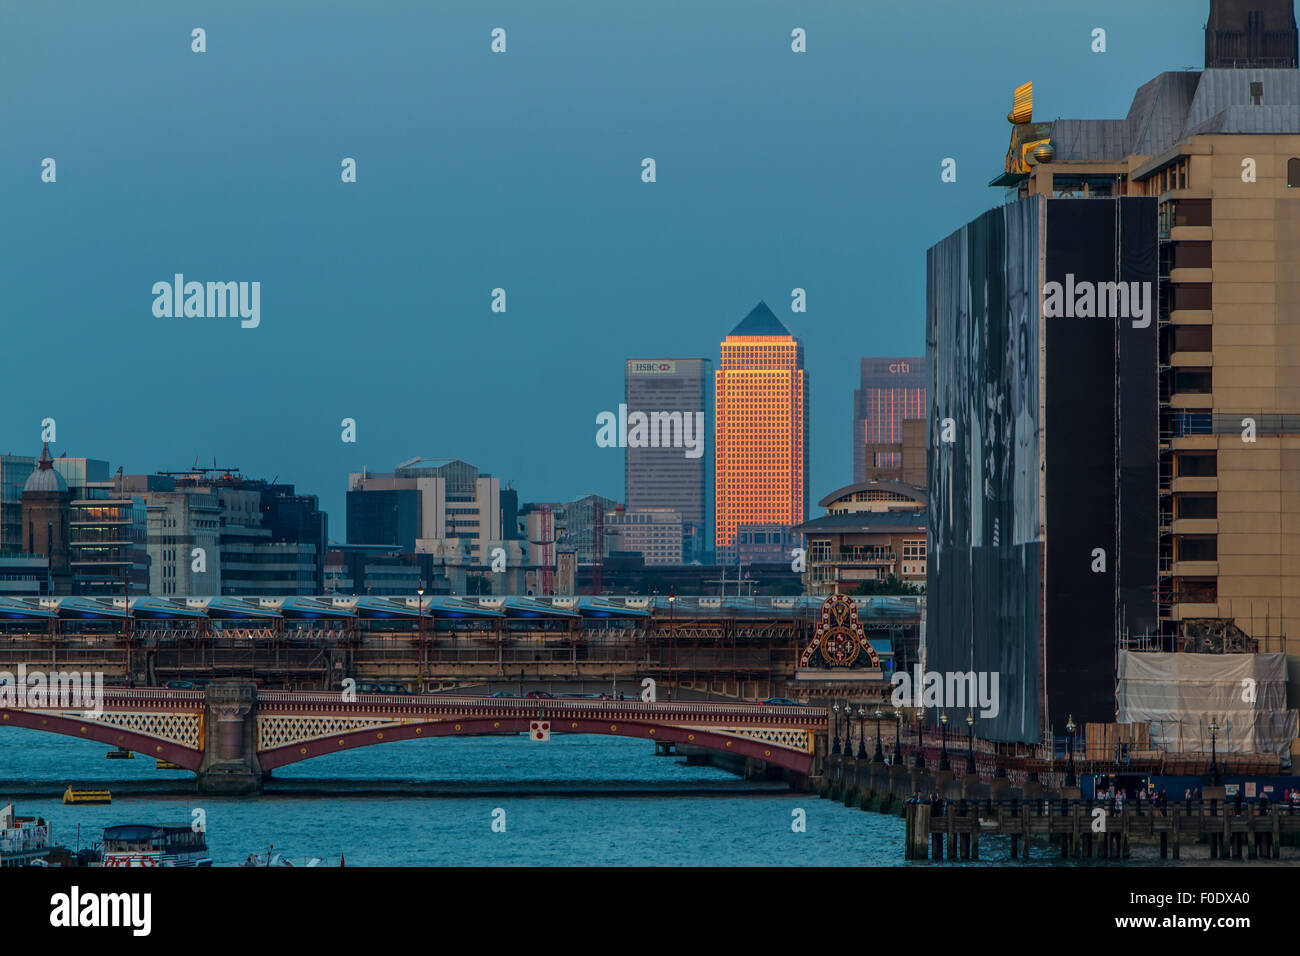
{"points": [[946, 816]]}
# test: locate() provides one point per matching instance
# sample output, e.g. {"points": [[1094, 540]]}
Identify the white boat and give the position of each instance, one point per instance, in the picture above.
{"points": [[144, 844], [277, 860], [24, 841]]}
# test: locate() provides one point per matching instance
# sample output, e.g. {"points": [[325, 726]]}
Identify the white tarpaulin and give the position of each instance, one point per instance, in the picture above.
{"points": [[1180, 695]]}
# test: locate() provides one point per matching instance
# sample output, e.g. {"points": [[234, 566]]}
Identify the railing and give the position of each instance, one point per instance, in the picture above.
{"points": [[24, 839], [1228, 423], [1193, 423], [527, 707]]}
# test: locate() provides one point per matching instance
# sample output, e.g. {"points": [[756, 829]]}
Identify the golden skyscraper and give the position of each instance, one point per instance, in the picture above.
{"points": [[760, 435]]}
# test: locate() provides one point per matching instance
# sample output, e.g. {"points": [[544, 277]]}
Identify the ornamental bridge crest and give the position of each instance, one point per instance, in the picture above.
{"points": [[839, 640]]}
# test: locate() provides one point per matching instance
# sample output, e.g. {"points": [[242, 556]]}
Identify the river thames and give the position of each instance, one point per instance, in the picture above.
{"points": [[571, 801]]}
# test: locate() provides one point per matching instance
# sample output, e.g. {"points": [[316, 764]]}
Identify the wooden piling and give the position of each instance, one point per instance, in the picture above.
{"points": [[917, 817]]}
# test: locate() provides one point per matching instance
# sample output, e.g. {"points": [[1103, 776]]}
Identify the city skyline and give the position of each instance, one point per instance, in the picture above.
{"points": [[631, 455], [369, 313], [735, 418]]}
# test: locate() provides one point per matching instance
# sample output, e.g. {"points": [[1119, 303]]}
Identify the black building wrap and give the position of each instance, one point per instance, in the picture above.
{"points": [[1139, 426], [1101, 454], [1081, 441], [1095, 463], [982, 334]]}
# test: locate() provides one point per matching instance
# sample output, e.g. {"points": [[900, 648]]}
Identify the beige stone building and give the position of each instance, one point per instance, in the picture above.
{"points": [[1220, 150], [872, 530]]}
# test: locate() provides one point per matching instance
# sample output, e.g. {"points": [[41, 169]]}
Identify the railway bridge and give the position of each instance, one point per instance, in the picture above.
{"points": [[734, 647], [232, 734]]}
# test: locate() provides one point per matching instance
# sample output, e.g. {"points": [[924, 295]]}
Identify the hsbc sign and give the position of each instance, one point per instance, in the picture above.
{"points": [[651, 368]]}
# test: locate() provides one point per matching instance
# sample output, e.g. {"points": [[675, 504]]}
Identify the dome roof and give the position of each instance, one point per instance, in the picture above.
{"points": [[45, 478]]}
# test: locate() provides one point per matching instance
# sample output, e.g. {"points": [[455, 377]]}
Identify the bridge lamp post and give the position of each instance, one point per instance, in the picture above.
{"points": [[920, 738], [880, 754], [126, 620], [419, 632], [970, 743], [898, 737], [848, 730], [862, 737], [672, 637], [835, 709], [1215, 779], [943, 741]]}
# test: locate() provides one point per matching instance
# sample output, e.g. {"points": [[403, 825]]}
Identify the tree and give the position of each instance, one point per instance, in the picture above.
{"points": [[891, 585]]}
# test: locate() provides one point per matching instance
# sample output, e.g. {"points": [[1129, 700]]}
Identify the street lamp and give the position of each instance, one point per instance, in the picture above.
{"points": [[848, 730], [862, 737], [419, 632], [1215, 780], [126, 620], [672, 636], [880, 754], [898, 737], [1070, 779], [920, 738], [943, 741], [836, 708], [970, 743]]}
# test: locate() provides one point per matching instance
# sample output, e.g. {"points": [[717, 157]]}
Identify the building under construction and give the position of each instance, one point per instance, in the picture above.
{"points": [[1123, 474]]}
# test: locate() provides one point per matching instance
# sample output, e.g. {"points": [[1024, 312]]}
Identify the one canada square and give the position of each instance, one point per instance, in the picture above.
{"points": [[760, 430]]}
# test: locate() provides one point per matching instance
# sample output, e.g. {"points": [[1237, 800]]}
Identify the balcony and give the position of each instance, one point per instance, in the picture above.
{"points": [[1192, 400], [1195, 526], [1191, 275], [1191, 317], [1191, 233], [1192, 359], [1196, 569], [1195, 443], [863, 560], [1195, 484]]}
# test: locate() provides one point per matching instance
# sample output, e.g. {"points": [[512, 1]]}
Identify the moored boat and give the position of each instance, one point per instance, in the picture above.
{"points": [[275, 859], [144, 844], [24, 841]]}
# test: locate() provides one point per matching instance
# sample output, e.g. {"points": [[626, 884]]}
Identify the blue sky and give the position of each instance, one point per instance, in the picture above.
{"points": [[775, 170]]}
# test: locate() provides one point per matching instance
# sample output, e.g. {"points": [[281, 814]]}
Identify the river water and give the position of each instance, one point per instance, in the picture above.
{"points": [[573, 800]]}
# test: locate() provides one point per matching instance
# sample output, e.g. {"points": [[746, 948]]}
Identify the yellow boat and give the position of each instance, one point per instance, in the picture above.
{"points": [[161, 764], [87, 796]]}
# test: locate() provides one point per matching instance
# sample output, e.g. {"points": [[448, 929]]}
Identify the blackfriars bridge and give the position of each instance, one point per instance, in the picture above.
{"points": [[232, 734]]}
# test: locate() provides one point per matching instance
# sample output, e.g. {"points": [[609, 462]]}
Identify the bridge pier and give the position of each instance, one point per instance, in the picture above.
{"points": [[230, 766]]}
